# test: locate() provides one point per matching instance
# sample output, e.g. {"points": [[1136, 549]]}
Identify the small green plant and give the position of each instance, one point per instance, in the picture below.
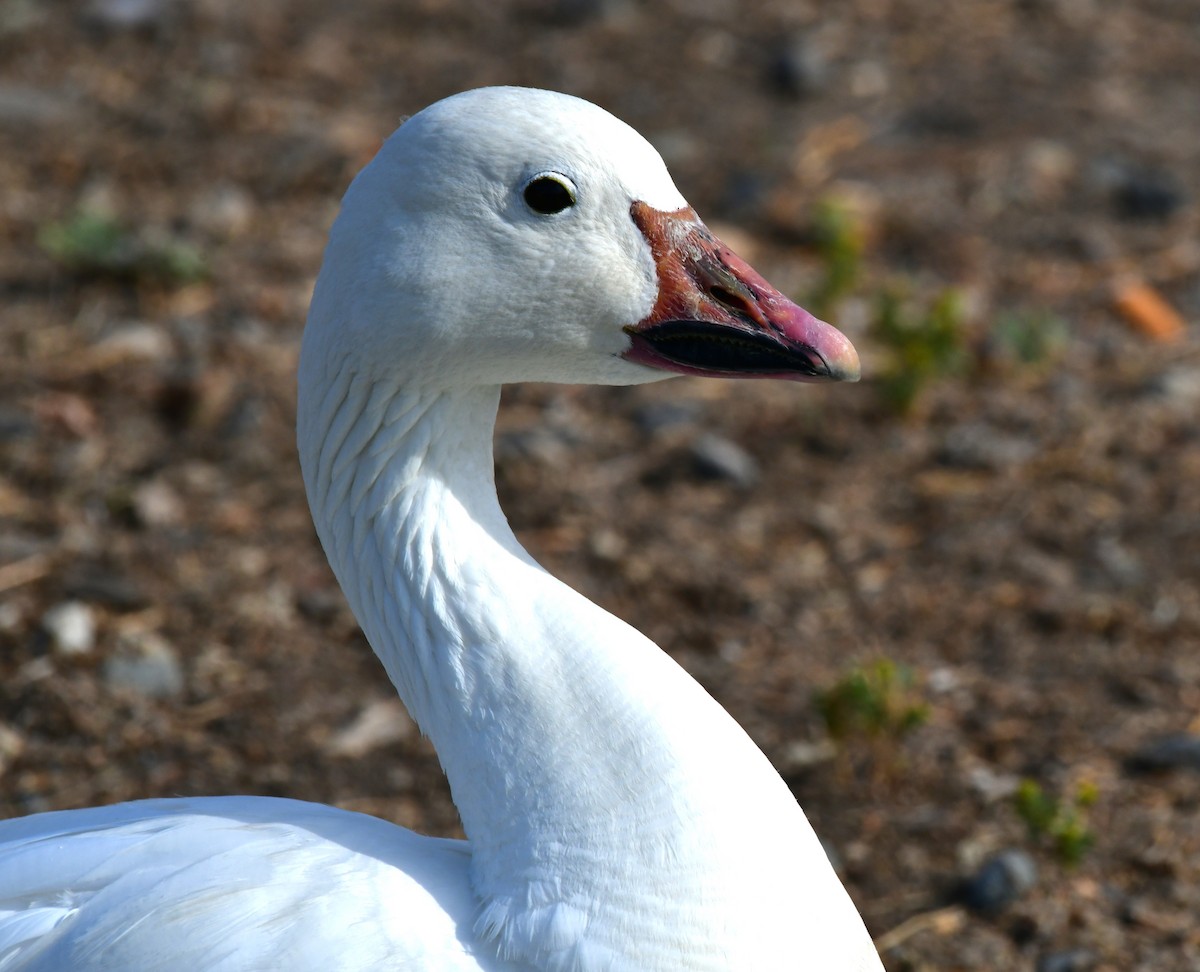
{"points": [[876, 700], [1029, 337], [922, 342], [922, 346], [97, 244], [1063, 824], [840, 244]]}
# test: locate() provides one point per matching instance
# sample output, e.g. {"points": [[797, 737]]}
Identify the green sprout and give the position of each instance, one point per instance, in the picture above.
{"points": [[922, 346], [875, 701], [1063, 824], [1030, 338], [840, 244], [93, 243]]}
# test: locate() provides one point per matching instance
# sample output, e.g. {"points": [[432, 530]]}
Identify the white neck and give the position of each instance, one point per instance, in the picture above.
{"points": [[617, 815]]}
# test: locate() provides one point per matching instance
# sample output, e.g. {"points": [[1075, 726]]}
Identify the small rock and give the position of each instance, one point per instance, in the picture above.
{"points": [[1119, 562], [379, 724], [1148, 194], [100, 586], [157, 505], [943, 680], [12, 744], [1075, 960], [16, 424], [223, 211], [941, 119], [803, 754], [869, 79], [22, 105], [546, 446], [71, 626], [577, 13], [977, 445], [606, 544], [1180, 386], [1049, 168], [1003, 879], [320, 604], [1179, 751], [128, 14], [136, 341], [991, 785], [147, 664], [718, 458], [799, 68], [654, 417], [11, 617]]}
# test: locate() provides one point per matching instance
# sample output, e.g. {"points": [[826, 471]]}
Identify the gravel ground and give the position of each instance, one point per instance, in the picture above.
{"points": [[1024, 540]]}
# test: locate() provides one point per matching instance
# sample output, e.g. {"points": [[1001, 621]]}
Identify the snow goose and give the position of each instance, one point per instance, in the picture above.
{"points": [[617, 818]]}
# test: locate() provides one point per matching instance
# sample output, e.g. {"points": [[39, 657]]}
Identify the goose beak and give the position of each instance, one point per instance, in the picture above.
{"points": [[716, 316]]}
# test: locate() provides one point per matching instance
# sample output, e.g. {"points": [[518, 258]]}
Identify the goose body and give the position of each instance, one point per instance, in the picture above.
{"points": [[618, 819]]}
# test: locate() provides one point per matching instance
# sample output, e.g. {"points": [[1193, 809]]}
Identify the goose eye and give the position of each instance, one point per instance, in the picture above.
{"points": [[549, 193]]}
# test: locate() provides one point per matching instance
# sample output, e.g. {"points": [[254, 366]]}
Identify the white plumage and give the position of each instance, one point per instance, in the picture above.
{"points": [[618, 819]]}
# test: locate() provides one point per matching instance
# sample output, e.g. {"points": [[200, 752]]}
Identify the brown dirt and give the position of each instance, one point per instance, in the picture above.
{"points": [[1027, 540]]}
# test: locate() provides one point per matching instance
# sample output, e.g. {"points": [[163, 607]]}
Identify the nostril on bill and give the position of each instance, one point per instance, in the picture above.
{"points": [[735, 302]]}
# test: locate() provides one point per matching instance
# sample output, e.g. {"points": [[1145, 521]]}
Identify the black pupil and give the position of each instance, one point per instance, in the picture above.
{"points": [[546, 195]]}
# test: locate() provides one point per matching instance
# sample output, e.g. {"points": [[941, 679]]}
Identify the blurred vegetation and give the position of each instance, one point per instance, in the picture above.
{"points": [[924, 342], [877, 700], [1061, 823], [97, 244], [1028, 338], [840, 243]]}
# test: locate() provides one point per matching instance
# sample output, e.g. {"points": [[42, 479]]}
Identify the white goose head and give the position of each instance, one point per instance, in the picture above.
{"points": [[509, 234]]}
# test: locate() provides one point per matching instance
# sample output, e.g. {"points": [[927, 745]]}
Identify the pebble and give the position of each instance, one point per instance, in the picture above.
{"points": [[147, 665], [1049, 168], [1179, 751], [1147, 195], [1075, 960], [869, 79], [380, 723], [1180, 386], [12, 744], [1003, 879], [1119, 562], [937, 119], [94, 583], [16, 424], [71, 626], [136, 341], [224, 211], [716, 457], [977, 445], [654, 417], [157, 505], [798, 69], [128, 14], [991, 785], [320, 604], [577, 13], [22, 105], [548, 447]]}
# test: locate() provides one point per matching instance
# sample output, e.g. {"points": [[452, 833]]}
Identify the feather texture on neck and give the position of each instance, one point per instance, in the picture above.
{"points": [[608, 799]]}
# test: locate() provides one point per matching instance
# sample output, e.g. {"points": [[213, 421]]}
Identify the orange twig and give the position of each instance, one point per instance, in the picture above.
{"points": [[1146, 309]]}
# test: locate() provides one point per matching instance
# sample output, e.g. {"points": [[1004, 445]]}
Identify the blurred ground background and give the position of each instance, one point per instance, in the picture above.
{"points": [[1003, 518]]}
